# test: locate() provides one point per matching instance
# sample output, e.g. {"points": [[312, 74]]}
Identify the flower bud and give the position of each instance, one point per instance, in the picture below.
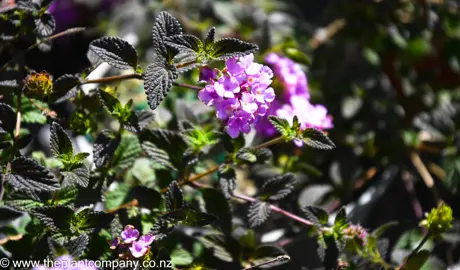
{"points": [[38, 85], [439, 220]]}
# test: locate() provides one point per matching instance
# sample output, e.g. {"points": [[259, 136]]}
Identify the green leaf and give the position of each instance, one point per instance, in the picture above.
{"points": [[56, 218], [217, 205], [79, 157], [317, 139], [158, 155], [87, 220], [341, 219], [416, 261], [198, 219], [161, 229], [297, 55], [127, 152], [77, 246], [316, 215], [27, 174], [115, 51], [165, 26], [109, 102], [230, 47], [45, 24], [328, 251], [63, 84], [104, 148], [67, 195], [209, 40], [79, 174], [247, 155], [7, 118], [180, 256], [7, 215], [185, 43], [137, 120], [159, 78], [266, 253], [60, 143], [278, 188], [227, 180], [258, 213], [148, 197], [174, 197], [21, 202], [382, 228], [117, 196], [283, 126]]}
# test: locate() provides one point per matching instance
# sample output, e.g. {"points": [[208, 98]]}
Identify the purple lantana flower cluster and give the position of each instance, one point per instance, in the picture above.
{"points": [[295, 100], [129, 240], [241, 95]]}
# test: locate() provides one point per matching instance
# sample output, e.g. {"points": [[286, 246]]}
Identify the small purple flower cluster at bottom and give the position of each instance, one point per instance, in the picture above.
{"points": [[66, 262], [241, 96], [129, 240]]}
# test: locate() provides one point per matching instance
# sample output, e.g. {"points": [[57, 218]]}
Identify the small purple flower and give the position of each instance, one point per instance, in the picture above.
{"points": [[248, 103], [209, 95], [129, 234], [147, 239], [66, 262], [208, 74], [227, 86], [240, 122], [139, 249], [115, 242], [226, 108]]}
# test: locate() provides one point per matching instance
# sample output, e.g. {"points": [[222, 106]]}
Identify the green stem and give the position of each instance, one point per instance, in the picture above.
{"points": [[417, 249], [186, 64], [116, 78], [194, 87], [270, 143]]}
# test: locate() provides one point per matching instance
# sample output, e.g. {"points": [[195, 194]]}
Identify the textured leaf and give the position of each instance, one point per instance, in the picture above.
{"points": [[45, 25], [278, 188], [80, 157], [67, 195], [180, 256], [317, 139], [158, 155], [27, 174], [165, 26], [7, 118], [161, 229], [118, 196], [341, 218], [21, 202], [258, 213], [9, 78], [63, 85], [27, 5], [77, 246], [104, 148], [316, 215], [282, 125], [174, 197], [128, 150], [216, 204], [115, 51], [251, 155], [158, 82], [60, 143], [268, 253], [328, 252], [227, 180], [230, 47], [197, 219], [209, 40], [7, 215], [139, 120], [188, 43], [87, 220], [78, 175], [57, 218], [109, 102], [148, 197]]}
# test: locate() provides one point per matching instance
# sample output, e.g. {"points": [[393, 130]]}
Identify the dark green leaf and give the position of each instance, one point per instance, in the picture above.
{"points": [[66, 195], [7, 215], [278, 188], [60, 143], [27, 174], [109, 102], [188, 43], [21, 202], [118, 196], [328, 252], [104, 148], [209, 40], [57, 218], [138, 121], [161, 229], [258, 213], [317, 139], [24, 141], [382, 228], [78, 175], [316, 215], [174, 197], [148, 197], [63, 84], [45, 25], [217, 205], [115, 51], [128, 150], [9, 78], [7, 118], [165, 26], [247, 154], [197, 219], [416, 261], [341, 218], [264, 254], [158, 81], [230, 47], [227, 180], [282, 125], [77, 246], [158, 155], [87, 220], [27, 5], [80, 157]]}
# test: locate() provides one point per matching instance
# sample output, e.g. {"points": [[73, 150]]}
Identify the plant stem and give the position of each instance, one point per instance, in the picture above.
{"points": [[270, 143], [420, 245], [58, 35], [116, 78], [194, 87], [425, 174], [186, 64]]}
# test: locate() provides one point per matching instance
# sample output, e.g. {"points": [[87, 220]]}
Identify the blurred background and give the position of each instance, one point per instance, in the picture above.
{"points": [[388, 72]]}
